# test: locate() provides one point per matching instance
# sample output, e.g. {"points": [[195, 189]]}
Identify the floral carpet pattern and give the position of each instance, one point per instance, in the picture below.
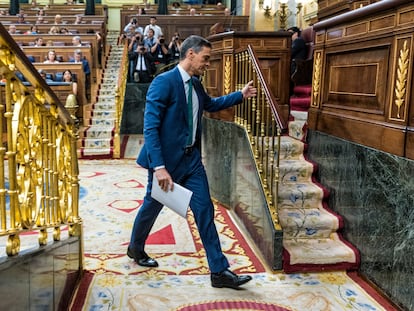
{"points": [[112, 192]]}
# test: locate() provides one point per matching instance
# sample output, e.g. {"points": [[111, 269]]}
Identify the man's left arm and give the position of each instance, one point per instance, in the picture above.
{"points": [[226, 101]]}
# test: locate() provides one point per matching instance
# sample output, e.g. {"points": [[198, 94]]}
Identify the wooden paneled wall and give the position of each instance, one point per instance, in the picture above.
{"points": [[363, 77]]}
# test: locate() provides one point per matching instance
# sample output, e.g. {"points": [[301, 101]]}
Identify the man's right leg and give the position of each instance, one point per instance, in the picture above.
{"points": [[145, 219]]}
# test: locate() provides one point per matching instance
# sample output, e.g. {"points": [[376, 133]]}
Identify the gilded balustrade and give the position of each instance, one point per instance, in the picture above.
{"points": [[260, 118], [39, 185]]}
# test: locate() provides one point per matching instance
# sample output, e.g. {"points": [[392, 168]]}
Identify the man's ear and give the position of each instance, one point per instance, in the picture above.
{"points": [[190, 53]]}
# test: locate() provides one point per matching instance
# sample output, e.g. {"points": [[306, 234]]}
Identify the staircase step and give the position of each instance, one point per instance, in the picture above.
{"points": [[300, 195], [98, 132], [291, 148], [96, 152], [292, 171], [324, 252], [298, 115], [93, 143], [103, 122], [303, 90], [308, 223], [98, 113], [300, 103], [298, 129], [105, 105]]}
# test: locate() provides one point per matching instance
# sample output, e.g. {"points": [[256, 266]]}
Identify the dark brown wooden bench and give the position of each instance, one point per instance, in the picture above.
{"points": [[64, 40]]}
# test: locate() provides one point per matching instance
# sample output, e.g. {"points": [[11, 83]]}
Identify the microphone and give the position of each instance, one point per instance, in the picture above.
{"points": [[233, 13]]}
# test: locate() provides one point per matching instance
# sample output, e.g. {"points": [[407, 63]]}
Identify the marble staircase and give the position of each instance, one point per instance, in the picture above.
{"points": [[97, 136]]}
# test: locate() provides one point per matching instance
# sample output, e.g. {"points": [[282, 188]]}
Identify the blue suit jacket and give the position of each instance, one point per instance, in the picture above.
{"points": [[166, 121]]}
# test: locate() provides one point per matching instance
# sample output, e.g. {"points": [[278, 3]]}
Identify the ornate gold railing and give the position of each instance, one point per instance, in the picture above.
{"points": [[119, 102], [39, 186], [261, 119]]}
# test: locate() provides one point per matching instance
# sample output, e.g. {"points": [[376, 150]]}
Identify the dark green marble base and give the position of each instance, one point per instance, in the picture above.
{"points": [[42, 279], [374, 192], [234, 181], [134, 106]]}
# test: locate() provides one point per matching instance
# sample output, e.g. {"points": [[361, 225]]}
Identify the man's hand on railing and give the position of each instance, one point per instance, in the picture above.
{"points": [[249, 90]]}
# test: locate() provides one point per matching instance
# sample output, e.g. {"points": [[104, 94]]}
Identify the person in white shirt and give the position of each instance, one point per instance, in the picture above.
{"points": [[153, 25], [133, 23]]}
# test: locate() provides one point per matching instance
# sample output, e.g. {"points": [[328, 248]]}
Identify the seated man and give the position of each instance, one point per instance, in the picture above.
{"points": [[142, 66]]}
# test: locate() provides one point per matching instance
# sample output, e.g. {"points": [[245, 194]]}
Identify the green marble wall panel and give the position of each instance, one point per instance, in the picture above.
{"points": [[374, 192]]}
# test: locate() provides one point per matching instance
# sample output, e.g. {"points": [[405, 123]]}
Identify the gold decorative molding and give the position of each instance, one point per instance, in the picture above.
{"points": [[227, 74], [316, 83], [400, 89]]}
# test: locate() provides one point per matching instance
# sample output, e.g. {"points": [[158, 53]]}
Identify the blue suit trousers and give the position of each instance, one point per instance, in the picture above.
{"points": [[191, 174]]}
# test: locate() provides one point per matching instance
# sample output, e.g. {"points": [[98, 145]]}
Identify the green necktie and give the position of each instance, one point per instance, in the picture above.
{"points": [[190, 111]]}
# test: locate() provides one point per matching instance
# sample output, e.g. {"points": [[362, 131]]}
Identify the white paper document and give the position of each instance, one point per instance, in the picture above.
{"points": [[178, 200]]}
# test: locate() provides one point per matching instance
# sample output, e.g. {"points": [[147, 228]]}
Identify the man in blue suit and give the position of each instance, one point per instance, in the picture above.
{"points": [[171, 153]]}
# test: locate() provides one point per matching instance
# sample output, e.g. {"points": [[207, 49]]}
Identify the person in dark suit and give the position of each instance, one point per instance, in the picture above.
{"points": [[298, 50], [171, 153], [142, 67]]}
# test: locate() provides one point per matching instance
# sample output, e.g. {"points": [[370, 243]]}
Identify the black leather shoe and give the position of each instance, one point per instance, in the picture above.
{"points": [[228, 279], [142, 259]]}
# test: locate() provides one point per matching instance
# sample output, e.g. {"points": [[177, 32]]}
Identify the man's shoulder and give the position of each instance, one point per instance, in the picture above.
{"points": [[169, 77], [170, 74]]}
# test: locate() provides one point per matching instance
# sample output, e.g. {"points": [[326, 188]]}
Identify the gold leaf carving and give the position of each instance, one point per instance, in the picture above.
{"points": [[401, 82], [227, 76], [316, 78]]}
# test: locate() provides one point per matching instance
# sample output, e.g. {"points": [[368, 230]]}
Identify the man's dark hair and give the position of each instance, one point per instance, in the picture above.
{"points": [[294, 29], [193, 42]]}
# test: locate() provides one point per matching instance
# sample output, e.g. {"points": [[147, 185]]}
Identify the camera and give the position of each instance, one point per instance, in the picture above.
{"points": [[162, 41], [142, 49], [134, 21], [176, 38]]}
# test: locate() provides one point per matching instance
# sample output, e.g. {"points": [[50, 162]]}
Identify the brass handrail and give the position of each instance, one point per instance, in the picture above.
{"points": [[39, 185], [261, 118]]}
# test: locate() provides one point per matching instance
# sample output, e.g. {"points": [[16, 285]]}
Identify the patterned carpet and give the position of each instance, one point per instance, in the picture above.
{"points": [[112, 192]]}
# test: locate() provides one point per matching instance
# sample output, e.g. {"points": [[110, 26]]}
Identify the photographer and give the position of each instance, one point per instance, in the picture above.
{"points": [[174, 47], [138, 38], [133, 23], [130, 31], [160, 54], [142, 66]]}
